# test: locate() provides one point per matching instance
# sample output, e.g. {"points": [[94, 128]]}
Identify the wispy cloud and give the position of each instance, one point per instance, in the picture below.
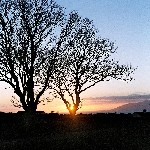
{"points": [[125, 99]]}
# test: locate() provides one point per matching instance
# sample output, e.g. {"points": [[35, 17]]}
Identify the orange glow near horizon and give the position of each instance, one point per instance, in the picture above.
{"points": [[57, 105], [100, 107], [87, 107], [60, 107]]}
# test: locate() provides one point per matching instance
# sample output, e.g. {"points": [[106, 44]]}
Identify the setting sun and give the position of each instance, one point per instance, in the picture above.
{"points": [[71, 107]]}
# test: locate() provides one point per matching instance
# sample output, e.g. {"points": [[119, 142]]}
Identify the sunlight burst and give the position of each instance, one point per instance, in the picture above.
{"points": [[71, 107]]}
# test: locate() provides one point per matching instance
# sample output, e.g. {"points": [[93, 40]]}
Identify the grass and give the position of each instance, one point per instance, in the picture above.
{"points": [[76, 134]]}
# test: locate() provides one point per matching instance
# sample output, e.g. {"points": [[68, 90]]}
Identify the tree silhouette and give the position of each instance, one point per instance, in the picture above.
{"points": [[27, 56], [86, 61]]}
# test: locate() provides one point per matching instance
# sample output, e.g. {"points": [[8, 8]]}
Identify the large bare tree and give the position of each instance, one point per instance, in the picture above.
{"points": [[27, 56], [86, 61]]}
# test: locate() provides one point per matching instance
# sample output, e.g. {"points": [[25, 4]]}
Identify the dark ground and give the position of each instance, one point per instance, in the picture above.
{"points": [[91, 132]]}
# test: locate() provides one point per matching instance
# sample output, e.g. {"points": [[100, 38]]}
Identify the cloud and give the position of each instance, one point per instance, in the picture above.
{"points": [[116, 99]]}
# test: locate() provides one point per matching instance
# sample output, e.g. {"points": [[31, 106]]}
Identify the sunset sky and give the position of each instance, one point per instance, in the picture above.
{"points": [[125, 22]]}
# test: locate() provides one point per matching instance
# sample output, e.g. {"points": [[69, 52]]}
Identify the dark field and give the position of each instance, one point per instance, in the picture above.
{"points": [[53, 131]]}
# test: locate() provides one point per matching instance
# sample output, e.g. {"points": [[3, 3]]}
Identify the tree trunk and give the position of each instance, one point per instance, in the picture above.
{"points": [[30, 107]]}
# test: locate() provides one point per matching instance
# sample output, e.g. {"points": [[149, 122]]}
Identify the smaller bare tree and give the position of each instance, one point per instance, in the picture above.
{"points": [[86, 60]]}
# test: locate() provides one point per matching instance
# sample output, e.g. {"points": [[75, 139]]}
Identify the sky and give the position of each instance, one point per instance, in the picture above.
{"points": [[125, 22]]}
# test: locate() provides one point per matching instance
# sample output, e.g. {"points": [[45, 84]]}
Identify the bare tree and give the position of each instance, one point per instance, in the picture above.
{"points": [[86, 61], [27, 56]]}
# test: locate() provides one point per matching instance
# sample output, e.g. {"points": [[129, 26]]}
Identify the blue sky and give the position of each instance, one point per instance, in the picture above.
{"points": [[125, 22]]}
